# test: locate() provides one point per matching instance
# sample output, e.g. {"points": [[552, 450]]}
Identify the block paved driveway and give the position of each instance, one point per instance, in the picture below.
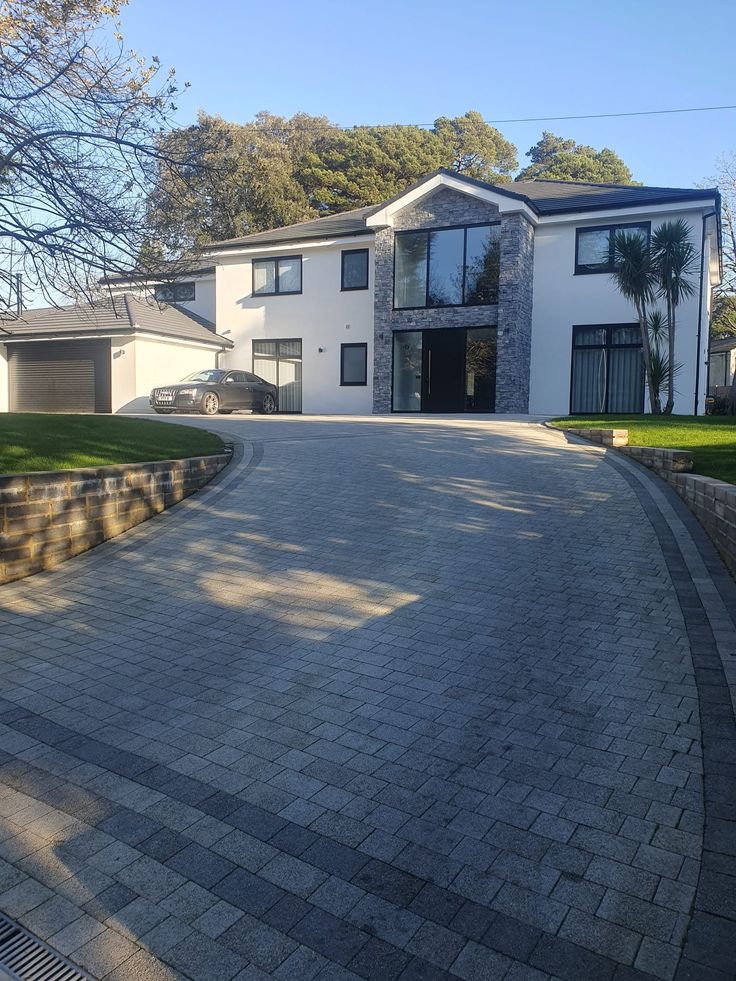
{"points": [[394, 699]]}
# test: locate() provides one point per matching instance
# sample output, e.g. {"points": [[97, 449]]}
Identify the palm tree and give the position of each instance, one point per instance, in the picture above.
{"points": [[673, 256], [636, 280]]}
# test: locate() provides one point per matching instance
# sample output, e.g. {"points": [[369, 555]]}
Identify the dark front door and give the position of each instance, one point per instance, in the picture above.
{"points": [[443, 388]]}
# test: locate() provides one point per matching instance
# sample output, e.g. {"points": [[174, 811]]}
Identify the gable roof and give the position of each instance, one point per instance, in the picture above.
{"points": [[123, 314], [543, 197]]}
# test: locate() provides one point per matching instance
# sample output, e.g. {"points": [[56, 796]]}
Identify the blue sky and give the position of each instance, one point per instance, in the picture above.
{"points": [[409, 61]]}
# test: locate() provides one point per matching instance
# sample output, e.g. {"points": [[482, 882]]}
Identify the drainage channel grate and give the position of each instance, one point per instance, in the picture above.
{"points": [[24, 957]]}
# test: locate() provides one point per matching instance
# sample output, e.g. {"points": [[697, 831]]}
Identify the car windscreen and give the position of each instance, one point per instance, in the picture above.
{"points": [[208, 375]]}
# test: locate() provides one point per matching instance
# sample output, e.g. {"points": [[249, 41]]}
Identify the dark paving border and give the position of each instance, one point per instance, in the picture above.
{"points": [[496, 940], [710, 948]]}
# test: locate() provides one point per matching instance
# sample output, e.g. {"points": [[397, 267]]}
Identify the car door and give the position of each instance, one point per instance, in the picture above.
{"points": [[238, 391], [258, 388]]}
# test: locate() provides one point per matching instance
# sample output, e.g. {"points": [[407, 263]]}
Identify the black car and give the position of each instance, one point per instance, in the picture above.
{"points": [[216, 390]]}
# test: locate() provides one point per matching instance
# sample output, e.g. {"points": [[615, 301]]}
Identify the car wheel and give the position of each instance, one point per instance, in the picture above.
{"points": [[163, 412], [268, 405], [210, 404]]}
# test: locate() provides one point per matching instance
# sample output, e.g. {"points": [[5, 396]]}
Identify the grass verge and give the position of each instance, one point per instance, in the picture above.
{"points": [[41, 441], [711, 439]]}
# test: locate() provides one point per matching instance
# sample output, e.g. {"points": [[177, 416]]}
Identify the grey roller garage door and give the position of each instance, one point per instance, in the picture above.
{"points": [[71, 376]]}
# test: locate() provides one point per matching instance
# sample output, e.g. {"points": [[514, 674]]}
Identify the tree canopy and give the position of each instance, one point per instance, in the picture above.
{"points": [[80, 120], [276, 171], [555, 158]]}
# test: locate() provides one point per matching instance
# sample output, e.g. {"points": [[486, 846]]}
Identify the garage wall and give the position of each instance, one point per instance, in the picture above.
{"points": [[4, 378], [148, 362]]}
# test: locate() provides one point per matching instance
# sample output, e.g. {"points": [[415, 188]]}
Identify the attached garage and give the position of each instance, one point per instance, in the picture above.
{"points": [[72, 376], [102, 358]]}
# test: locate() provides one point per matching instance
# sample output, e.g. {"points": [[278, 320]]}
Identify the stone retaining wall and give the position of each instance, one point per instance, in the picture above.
{"points": [[713, 502], [47, 517]]}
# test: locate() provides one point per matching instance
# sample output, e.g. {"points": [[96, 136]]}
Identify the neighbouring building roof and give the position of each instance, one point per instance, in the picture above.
{"points": [[543, 197], [722, 344], [178, 270], [123, 314]]}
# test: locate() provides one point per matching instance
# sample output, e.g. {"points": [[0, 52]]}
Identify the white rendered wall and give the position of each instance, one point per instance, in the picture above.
{"points": [[146, 362], [562, 300], [321, 315], [4, 379]]}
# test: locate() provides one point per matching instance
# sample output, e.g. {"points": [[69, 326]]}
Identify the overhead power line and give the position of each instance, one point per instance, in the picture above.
{"points": [[593, 115]]}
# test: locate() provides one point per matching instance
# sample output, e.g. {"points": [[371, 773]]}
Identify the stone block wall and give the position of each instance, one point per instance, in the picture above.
{"points": [[446, 207], [516, 284], [47, 517]]}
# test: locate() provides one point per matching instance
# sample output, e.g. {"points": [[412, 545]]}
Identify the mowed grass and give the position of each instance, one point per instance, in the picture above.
{"points": [[711, 439], [40, 441]]}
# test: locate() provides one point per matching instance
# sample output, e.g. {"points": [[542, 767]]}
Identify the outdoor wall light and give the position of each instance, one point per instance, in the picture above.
{"points": [[321, 350]]}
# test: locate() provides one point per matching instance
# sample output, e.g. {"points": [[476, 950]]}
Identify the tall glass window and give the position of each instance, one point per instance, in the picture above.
{"points": [[407, 371], [447, 267], [607, 370]]}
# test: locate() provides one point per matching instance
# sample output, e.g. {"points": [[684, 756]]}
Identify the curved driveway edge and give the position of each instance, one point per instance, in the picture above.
{"points": [[707, 597]]}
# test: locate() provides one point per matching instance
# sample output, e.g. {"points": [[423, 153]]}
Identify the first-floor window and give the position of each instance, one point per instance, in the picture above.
{"points": [[174, 292], [272, 277], [607, 369], [354, 274], [353, 364], [594, 247]]}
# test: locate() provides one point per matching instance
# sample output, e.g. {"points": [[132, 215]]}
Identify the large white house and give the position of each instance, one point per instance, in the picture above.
{"points": [[455, 296]]}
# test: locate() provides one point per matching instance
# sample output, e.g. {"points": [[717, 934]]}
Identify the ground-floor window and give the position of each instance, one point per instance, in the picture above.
{"points": [[280, 362], [445, 369], [607, 369]]}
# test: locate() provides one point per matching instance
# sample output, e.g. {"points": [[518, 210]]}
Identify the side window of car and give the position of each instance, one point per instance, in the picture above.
{"points": [[238, 377], [252, 379]]}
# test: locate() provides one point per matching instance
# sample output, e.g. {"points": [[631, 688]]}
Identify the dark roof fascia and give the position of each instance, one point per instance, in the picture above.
{"points": [[236, 246], [142, 278], [59, 335], [624, 206]]}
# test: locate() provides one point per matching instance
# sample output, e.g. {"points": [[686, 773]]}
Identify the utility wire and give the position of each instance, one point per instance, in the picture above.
{"points": [[595, 115]]}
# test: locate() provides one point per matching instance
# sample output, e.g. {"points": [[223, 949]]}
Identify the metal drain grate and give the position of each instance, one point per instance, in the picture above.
{"points": [[24, 957]]}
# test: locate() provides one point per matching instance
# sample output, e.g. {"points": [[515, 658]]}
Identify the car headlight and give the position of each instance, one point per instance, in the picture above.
{"points": [[187, 391]]}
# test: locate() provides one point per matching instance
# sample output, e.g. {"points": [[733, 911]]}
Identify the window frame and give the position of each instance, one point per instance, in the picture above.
{"points": [[173, 287], [354, 289], [276, 259], [428, 232], [353, 384], [607, 345], [611, 227]]}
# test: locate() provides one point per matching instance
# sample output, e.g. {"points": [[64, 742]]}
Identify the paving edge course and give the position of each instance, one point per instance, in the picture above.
{"points": [[708, 950], [47, 517], [713, 502]]}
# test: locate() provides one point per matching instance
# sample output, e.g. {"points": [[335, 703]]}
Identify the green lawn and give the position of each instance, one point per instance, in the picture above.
{"points": [[36, 441], [711, 439]]}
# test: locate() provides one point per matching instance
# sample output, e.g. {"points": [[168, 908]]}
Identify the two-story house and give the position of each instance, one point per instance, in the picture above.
{"points": [[455, 296]]}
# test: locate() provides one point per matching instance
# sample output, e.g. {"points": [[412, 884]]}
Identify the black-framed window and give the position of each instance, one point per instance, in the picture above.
{"points": [[353, 364], [594, 247], [274, 277], [354, 271], [447, 267], [607, 373], [175, 292]]}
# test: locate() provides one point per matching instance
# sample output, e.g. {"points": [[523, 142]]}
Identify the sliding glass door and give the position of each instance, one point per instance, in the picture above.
{"points": [[607, 370]]}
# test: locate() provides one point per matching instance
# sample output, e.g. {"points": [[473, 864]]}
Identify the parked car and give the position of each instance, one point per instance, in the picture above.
{"points": [[216, 390]]}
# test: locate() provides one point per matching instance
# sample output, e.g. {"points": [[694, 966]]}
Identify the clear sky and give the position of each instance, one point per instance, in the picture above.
{"points": [[409, 61]]}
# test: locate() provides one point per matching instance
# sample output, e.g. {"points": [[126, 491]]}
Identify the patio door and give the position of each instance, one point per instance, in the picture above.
{"points": [[607, 370], [280, 362]]}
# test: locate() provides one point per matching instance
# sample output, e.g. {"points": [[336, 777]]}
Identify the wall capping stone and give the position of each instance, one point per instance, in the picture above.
{"points": [[712, 501], [47, 517]]}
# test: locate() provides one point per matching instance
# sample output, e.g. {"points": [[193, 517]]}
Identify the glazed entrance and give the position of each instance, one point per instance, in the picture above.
{"points": [[449, 369]]}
